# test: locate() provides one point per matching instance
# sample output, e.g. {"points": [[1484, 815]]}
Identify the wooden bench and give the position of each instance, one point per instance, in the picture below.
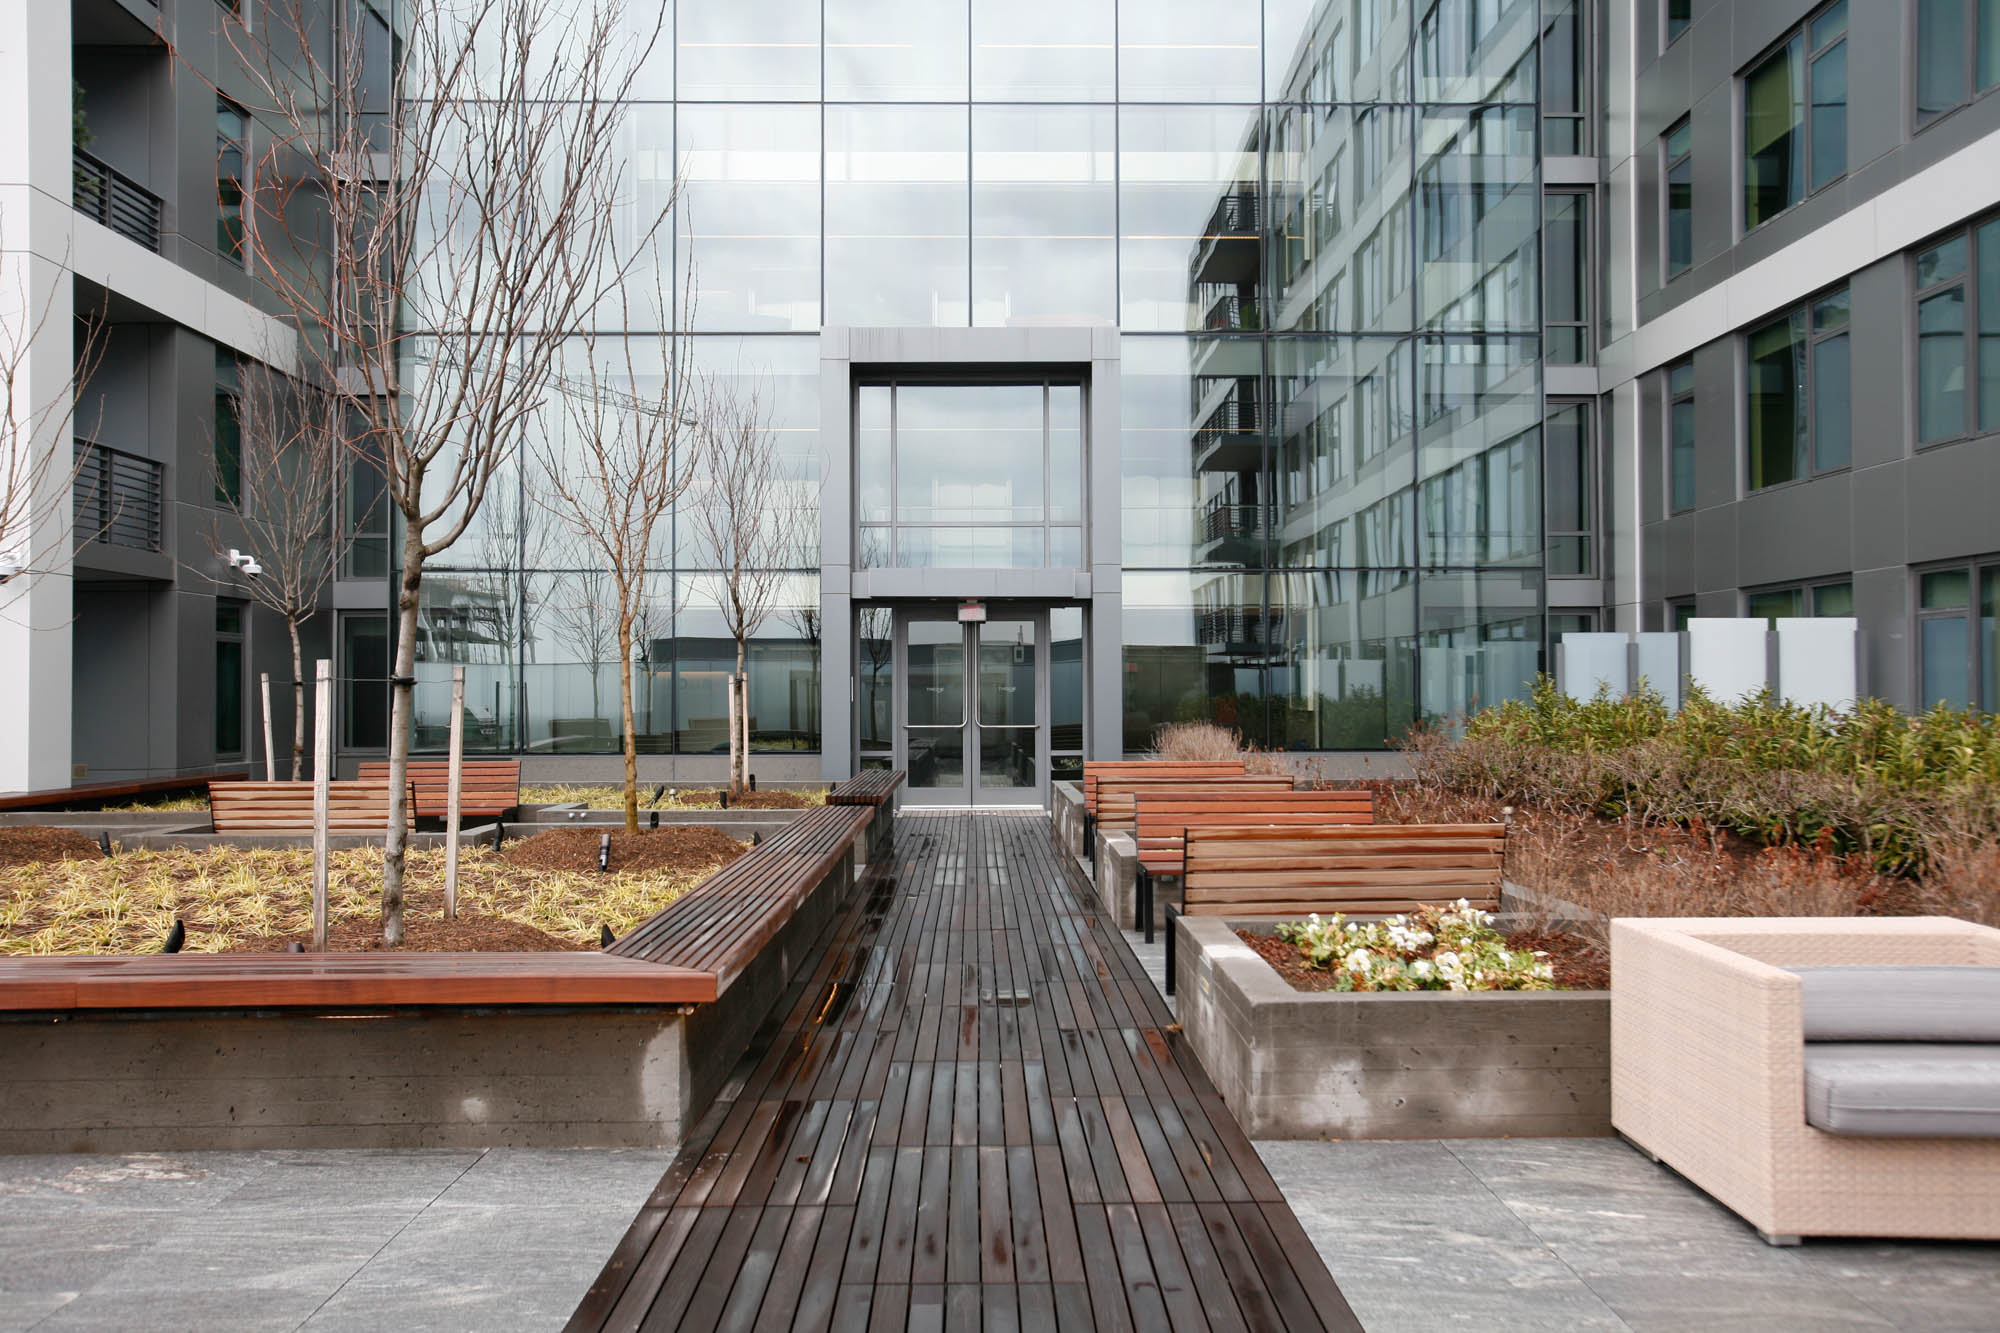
{"points": [[488, 788], [94, 794], [721, 926], [1096, 770], [875, 788], [1117, 796], [1162, 819], [1376, 868], [287, 807]]}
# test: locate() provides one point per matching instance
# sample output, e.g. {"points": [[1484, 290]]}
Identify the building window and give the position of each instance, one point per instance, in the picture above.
{"points": [[1958, 53], [1678, 615], [1789, 152], [227, 446], [1570, 468], [232, 132], [365, 510], [1798, 393], [1680, 13], [364, 682], [228, 678], [1680, 436], [1677, 145], [1958, 636], [1958, 327], [1800, 601], [1565, 79], [1566, 269]]}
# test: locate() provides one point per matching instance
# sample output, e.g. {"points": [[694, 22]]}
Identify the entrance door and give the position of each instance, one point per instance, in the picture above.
{"points": [[974, 708]]}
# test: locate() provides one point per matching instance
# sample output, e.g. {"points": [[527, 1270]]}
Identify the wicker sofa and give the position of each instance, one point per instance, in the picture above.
{"points": [[1708, 1074]]}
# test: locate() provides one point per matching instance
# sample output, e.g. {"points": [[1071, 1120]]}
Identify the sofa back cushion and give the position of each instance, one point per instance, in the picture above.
{"points": [[1904, 1002]]}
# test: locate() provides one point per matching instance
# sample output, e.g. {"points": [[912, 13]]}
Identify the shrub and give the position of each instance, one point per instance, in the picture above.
{"points": [[1440, 948]]}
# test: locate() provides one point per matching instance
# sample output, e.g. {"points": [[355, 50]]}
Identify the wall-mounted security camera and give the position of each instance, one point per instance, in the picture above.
{"points": [[10, 566], [247, 564]]}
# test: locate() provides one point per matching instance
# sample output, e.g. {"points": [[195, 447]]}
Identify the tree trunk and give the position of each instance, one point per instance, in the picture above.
{"points": [[402, 703], [739, 741], [625, 716], [298, 701]]}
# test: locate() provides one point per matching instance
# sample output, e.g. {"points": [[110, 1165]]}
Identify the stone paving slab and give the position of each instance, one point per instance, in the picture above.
{"points": [[506, 1238]]}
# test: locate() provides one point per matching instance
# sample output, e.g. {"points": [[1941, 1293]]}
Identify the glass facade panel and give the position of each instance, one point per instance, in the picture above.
{"points": [[1340, 203], [748, 220], [896, 215], [1774, 139], [1572, 490], [1478, 219], [1044, 50], [1566, 291], [1190, 225], [894, 51], [1941, 366], [1193, 447], [1477, 51], [1044, 215], [1479, 641], [1479, 451], [730, 51], [1196, 646], [1678, 146], [1188, 51], [1680, 437], [1347, 676], [1777, 408]]}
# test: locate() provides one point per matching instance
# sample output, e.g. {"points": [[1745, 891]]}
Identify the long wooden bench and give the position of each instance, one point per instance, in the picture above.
{"points": [[875, 788], [1117, 798], [488, 788], [1161, 820], [1096, 770], [287, 807], [1377, 868], [722, 925]]}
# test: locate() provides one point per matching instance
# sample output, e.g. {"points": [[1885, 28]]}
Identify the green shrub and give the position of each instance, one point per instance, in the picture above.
{"points": [[1872, 781]]}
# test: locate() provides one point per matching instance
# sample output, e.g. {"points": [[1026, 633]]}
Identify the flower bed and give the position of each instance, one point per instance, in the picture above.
{"points": [[1440, 948]]}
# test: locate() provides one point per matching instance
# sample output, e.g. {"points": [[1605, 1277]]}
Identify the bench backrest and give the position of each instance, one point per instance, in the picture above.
{"points": [[1116, 797], [1359, 868], [1096, 770], [721, 924], [485, 786], [876, 786], [287, 807], [1162, 819]]}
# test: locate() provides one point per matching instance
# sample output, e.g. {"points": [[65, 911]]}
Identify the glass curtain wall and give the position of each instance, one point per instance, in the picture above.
{"points": [[1315, 224]]}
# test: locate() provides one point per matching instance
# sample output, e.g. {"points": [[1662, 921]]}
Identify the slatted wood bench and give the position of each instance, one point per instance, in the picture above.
{"points": [[1117, 798], [1376, 868], [287, 807], [488, 788], [722, 925], [876, 788], [1096, 770], [1161, 820]]}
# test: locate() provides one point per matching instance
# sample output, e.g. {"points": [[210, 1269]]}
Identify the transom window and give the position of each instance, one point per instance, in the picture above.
{"points": [[969, 476]]}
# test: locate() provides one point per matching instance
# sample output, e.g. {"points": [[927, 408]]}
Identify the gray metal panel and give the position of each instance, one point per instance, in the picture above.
{"points": [[1715, 551], [1881, 520], [1951, 506], [1880, 338], [1882, 605], [1799, 531]]}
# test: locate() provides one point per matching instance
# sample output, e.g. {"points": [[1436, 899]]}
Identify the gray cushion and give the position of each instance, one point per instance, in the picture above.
{"points": [[1904, 1089], [1901, 1003]]}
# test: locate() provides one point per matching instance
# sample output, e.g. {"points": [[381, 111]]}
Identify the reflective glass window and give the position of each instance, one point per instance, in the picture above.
{"points": [[1571, 464], [782, 659], [1987, 244], [1477, 51], [1680, 437], [1941, 335], [1190, 245], [1194, 648], [896, 215], [1680, 13], [1044, 215], [1958, 52], [1345, 460], [1566, 291], [1479, 641], [1188, 51], [1347, 673], [782, 375], [749, 215], [1478, 223], [730, 51], [1566, 67], [1777, 402], [895, 50], [1774, 134], [1678, 149], [1339, 190], [1193, 448], [1335, 51], [1770, 607], [1044, 50]]}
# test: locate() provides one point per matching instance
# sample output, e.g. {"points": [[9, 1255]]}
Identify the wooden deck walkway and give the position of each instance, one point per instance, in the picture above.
{"points": [[968, 1112]]}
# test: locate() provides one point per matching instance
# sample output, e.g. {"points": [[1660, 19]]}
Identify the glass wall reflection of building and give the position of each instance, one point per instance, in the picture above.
{"points": [[1315, 228]]}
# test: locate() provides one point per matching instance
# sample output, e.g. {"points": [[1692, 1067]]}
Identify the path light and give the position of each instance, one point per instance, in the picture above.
{"points": [[605, 939], [655, 822], [175, 937], [604, 854]]}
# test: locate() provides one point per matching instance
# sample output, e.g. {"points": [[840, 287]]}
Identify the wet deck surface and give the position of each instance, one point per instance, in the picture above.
{"points": [[969, 1111]]}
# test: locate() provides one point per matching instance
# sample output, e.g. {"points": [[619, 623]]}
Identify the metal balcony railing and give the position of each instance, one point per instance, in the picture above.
{"points": [[1227, 522], [1230, 312], [109, 196], [118, 497]]}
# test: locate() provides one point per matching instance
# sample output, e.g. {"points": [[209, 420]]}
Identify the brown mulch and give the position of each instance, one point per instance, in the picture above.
{"points": [[1578, 966], [425, 933], [749, 800], [29, 843], [675, 847]]}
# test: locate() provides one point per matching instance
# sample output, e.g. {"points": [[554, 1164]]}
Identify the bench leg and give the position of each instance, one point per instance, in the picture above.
{"points": [[1145, 897], [1171, 914]]}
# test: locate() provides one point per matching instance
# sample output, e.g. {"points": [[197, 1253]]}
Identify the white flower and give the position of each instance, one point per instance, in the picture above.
{"points": [[1422, 968], [1357, 962]]}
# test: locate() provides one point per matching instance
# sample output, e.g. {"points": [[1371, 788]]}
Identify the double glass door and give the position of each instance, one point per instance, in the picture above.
{"points": [[972, 724]]}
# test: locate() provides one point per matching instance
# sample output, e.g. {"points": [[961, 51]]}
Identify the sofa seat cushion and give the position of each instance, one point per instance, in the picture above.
{"points": [[1904, 1089], [1900, 1003]]}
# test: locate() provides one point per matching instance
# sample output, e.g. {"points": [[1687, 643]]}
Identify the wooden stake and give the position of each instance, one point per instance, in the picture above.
{"points": [[730, 781], [455, 782], [322, 773], [270, 755]]}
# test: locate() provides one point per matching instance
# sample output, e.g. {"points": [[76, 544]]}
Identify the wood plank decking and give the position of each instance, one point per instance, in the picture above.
{"points": [[969, 1111]]}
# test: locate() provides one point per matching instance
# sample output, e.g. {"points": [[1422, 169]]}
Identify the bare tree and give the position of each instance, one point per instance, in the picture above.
{"points": [[617, 457], [288, 456], [756, 521], [437, 205]]}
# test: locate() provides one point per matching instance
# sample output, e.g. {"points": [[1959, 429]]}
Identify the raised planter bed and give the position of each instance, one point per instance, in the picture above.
{"points": [[1405, 1065]]}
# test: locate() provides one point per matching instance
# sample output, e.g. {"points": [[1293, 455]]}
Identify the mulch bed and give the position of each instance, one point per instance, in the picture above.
{"points": [[426, 932], [677, 847], [1578, 966], [29, 843], [749, 800]]}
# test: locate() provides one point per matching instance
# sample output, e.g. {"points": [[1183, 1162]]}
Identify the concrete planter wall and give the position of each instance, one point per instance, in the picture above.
{"points": [[1411, 1065], [1066, 817]]}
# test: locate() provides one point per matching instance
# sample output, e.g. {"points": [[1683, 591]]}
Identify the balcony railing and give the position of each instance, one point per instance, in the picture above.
{"points": [[1231, 312], [109, 196], [117, 497]]}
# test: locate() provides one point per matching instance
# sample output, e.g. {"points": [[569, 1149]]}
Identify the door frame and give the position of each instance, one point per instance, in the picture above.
{"points": [[970, 794]]}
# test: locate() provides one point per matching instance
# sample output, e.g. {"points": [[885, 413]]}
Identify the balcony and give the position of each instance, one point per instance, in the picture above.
{"points": [[107, 195], [1230, 313], [1230, 247], [118, 498]]}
